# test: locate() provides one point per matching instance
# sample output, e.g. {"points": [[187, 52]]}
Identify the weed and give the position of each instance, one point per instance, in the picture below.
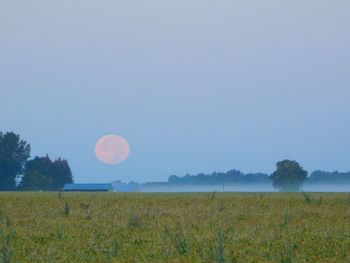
{"points": [[212, 195], [307, 197], [66, 209], [60, 232], [220, 247], [60, 195], [288, 254], [221, 205], [7, 222], [287, 218], [348, 199], [180, 242], [84, 206], [134, 221], [88, 215], [116, 247], [5, 247]]}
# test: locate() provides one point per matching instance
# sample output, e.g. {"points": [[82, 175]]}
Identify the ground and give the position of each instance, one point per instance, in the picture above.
{"points": [[193, 227]]}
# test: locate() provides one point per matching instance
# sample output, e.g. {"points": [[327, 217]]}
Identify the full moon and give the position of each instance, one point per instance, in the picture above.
{"points": [[112, 149]]}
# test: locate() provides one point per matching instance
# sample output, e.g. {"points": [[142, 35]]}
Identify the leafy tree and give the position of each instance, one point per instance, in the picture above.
{"points": [[42, 173], [37, 174], [36, 180], [289, 176], [61, 173], [14, 152]]}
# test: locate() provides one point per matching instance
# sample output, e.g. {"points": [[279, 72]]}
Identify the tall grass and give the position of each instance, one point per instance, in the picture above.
{"points": [[220, 247], [198, 227], [306, 197]]}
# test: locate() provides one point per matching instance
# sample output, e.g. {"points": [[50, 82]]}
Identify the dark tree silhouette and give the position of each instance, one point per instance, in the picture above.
{"points": [[289, 176], [37, 174], [14, 152], [229, 177], [61, 173], [42, 173], [322, 177]]}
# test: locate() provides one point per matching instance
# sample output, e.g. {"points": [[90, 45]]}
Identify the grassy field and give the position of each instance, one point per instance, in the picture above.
{"points": [[202, 227]]}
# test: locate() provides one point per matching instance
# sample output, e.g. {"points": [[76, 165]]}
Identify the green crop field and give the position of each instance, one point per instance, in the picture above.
{"points": [[195, 227]]}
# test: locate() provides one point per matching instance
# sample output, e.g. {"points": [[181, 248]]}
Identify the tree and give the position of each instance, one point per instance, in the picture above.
{"points": [[173, 179], [14, 152], [61, 173], [35, 180], [42, 173], [289, 176], [37, 174]]}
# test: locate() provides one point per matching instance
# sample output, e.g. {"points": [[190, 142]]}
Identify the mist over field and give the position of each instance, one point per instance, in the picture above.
{"points": [[241, 188]]}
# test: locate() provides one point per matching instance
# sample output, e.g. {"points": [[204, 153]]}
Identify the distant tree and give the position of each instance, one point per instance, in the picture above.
{"points": [[173, 179], [14, 152], [229, 177], [289, 176], [322, 177], [61, 173], [42, 173]]}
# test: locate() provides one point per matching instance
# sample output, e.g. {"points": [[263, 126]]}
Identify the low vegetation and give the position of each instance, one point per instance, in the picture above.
{"points": [[206, 227]]}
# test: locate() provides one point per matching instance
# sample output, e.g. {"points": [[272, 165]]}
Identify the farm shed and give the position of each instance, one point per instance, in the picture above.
{"points": [[88, 188]]}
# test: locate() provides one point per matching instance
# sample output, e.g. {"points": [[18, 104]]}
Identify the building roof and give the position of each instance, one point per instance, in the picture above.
{"points": [[91, 187]]}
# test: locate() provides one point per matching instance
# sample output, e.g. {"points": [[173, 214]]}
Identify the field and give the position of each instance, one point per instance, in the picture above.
{"points": [[202, 227]]}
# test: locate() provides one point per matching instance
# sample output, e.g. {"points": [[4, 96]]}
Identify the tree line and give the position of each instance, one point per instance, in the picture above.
{"points": [[289, 176], [18, 172], [231, 176]]}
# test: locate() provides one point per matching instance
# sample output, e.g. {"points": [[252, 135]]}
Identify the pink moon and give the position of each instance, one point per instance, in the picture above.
{"points": [[112, 149]]}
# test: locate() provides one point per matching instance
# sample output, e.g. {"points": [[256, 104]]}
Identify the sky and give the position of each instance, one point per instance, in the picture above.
{"points": [[193, 85]]}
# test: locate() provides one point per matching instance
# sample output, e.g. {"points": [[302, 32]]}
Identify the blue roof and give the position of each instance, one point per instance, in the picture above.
{"points": [[88, 187]]}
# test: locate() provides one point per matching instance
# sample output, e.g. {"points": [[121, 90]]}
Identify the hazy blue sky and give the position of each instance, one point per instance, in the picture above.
{"points": [[194, 86]]}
